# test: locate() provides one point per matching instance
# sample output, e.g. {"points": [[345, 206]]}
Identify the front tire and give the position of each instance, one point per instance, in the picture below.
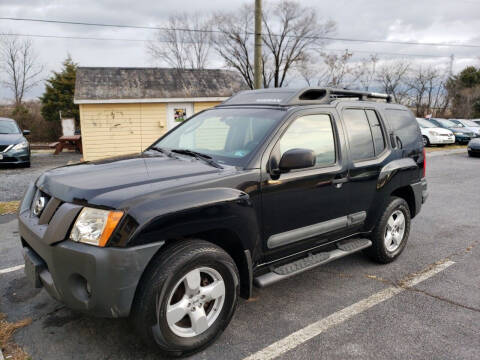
{"points": [[426, 142], [391, 233], [186, 298]]}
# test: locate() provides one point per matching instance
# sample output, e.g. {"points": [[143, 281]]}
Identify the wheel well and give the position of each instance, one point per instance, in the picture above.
{"points": [[407, 194], [230, 242]]}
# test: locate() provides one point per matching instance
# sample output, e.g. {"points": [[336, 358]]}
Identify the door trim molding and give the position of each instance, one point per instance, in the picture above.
{"points": [[306, 232]]}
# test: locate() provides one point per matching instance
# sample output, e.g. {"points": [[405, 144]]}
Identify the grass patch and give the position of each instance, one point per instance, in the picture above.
{"points": [[9, 207], [11, 350], [445, 147]]}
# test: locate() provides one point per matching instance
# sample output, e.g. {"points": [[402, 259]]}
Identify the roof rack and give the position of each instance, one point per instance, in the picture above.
{"points": [[305, 96]]}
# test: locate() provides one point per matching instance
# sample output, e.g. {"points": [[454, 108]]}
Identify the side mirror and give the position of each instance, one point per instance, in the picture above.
{"points": [[26, 132], [296, 159]]}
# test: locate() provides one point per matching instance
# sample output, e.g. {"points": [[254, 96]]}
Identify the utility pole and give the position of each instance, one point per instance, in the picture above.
{"points": [[257, 66]]}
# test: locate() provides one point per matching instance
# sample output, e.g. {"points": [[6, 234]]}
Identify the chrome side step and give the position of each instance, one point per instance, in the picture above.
{"points": [[344, 248]]}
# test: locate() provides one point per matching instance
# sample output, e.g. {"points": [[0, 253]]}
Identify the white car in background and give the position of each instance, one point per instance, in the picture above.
{"points": [[433, 135], [469, 125]]}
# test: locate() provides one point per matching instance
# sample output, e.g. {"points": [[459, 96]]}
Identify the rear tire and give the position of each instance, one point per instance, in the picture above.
{"points": [[165, 294], [391, 233]]}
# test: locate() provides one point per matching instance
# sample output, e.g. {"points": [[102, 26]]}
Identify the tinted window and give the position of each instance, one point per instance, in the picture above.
{"points": [[377, 133], [359, 134], [404, 126], [313, 132]]}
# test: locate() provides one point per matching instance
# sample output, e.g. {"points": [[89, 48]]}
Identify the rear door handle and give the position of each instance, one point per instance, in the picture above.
{"points": [[338, 182]]}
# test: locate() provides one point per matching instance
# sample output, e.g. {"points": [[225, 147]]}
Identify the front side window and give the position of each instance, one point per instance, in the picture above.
{"points": [[312, 132], [227, 135]]}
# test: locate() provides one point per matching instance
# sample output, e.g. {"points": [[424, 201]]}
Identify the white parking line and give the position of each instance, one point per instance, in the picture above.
{"points": [[299, 337], [10, 269]]}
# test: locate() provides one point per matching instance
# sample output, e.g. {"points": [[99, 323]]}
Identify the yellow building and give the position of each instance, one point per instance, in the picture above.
{"points": [[124, 110]]}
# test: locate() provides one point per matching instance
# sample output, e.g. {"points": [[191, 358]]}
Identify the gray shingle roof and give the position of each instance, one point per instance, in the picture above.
{"points": [[110, 83]]}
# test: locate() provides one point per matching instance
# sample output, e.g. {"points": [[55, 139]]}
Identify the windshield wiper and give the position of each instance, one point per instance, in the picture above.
{"points": [[207, 158], [162, 150]]}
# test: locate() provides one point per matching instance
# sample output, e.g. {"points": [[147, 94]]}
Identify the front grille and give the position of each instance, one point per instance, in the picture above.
{"points": [[3, 147]]}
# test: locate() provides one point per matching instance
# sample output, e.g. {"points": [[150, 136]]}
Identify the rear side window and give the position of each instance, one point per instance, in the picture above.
{"points": [[359, 134], [404, 126], [313, 132]]}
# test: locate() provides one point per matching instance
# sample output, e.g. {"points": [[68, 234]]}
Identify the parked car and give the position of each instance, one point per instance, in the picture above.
{"points": [[462, 135], [267, 185], [476, 121], [473, 147], [14, 147], [434, 135], [469, 125]]}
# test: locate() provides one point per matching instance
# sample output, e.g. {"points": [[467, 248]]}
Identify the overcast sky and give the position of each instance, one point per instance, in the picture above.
{"points": [[404, 20]]}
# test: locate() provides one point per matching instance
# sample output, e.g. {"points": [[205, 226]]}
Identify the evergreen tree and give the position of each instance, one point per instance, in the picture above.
{"points": [[59, 92]]}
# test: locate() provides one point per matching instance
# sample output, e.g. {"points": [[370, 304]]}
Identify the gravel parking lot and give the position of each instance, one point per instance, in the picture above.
{"points": [[15, 180], [354, 312]]}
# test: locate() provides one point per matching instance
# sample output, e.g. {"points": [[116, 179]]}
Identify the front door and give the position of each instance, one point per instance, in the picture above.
{"points": [[178, 112], [306, 207]]}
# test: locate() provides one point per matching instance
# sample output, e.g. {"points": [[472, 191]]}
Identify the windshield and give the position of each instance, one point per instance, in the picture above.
{"points": [[229, 136], [448, 123], [8, 127], [425, 123], [470, 123]]}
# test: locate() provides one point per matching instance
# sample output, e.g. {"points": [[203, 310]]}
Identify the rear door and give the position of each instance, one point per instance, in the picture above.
{"points": [[367, 142], [306, 207]]}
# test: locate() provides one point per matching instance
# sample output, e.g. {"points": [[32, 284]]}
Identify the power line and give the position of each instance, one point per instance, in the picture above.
{"points": [[166, 41], [250, 33]]}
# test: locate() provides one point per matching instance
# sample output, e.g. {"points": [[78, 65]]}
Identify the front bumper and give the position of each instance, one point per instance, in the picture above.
{"points": [[462, 139], [438, 140], [7, 158], [100, 281]]}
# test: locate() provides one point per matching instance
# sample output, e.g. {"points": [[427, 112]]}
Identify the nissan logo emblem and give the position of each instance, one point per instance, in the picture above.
{"points": [[38, 206]]}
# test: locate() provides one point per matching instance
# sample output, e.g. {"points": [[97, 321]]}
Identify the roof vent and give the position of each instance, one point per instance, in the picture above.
{"points": [[313, 94]]}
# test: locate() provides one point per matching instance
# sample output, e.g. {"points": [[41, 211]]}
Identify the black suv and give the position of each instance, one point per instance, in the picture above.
{"points": [[267, 185]]}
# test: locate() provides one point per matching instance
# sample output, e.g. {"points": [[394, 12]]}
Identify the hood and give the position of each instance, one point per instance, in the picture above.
{"points": [[9, 139], [113, 181]]}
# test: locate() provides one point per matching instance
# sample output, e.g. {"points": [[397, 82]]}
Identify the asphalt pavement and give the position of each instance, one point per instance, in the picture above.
{"points": [[436, 318]]}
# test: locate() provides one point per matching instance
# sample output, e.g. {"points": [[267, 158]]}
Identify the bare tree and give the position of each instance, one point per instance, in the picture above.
{"points": [[425, 87], [290, 32], [19, 63], [392, 79], [338, 70], [234, 44], [368, 72], [183, 45]]}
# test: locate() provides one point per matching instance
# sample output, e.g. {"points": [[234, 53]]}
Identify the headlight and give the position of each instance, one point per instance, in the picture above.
{"points": [[433, 133], [94, 226], [20, 146], [457, 133]]}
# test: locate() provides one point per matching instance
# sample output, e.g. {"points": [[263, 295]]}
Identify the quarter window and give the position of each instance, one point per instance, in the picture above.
{"points": [[313, 132]]}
